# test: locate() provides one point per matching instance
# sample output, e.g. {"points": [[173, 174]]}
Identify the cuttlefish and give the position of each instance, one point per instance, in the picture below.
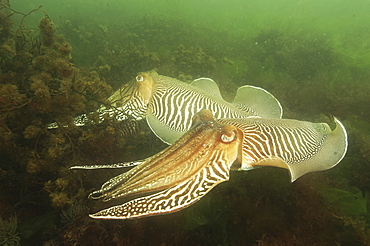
{"points": [[168, 104], [184, 172]]}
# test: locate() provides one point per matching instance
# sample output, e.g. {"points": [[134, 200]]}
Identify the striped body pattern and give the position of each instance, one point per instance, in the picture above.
{"points": [[298, 146], [187, 170], [291, 143], [174, 104]]}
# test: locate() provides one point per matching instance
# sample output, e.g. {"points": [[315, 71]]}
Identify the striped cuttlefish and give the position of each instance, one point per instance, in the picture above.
{"points": [[184, 172], [168, 104]]}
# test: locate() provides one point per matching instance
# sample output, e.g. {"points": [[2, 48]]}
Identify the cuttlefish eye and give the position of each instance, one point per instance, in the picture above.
{"points": [[139, 78], [228, 134]]}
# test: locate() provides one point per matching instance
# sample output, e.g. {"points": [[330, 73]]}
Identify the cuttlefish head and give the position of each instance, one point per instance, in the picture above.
{"points": [[135, 96], [179, 175]]}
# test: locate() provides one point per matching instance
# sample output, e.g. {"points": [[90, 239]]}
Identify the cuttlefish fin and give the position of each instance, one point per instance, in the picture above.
{"points": [[169, 200], [329, 155], [208, 85], [162, 130], [258, 101]]}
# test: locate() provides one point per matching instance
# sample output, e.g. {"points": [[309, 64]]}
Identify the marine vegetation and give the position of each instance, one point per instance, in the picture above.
{"points": [[9, 235], [72, 213], [141, 45], [39, 84]]}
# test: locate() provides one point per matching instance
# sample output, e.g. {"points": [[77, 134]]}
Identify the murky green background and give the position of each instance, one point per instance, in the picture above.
{"points": [[313, 55]]}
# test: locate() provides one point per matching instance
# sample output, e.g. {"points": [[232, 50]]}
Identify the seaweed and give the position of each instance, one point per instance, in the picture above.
{"points": [[142, 45], [193, 61], [73, 213], [38, 85], [9, 235]]}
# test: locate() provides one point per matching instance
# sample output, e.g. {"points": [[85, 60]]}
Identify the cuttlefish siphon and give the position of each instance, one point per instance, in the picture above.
{"points": [[184, 172], [168, 104]]}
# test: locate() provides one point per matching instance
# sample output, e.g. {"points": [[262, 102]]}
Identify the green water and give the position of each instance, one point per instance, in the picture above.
{"points": [[313, 55], [343, 23]]}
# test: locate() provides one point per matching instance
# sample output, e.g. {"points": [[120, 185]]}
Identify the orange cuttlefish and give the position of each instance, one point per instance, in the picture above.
{"points": [[184, 172]]}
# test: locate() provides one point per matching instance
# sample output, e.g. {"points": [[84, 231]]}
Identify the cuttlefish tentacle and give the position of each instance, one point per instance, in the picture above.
{"points": [[210, 142]]}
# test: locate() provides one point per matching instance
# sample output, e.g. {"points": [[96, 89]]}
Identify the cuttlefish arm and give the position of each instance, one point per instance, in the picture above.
{"points": [[109, 166], [169, 200], [179, 175]]}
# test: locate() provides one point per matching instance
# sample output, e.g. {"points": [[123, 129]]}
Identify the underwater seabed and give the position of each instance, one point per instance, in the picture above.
{"points": [[43, 202]]}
